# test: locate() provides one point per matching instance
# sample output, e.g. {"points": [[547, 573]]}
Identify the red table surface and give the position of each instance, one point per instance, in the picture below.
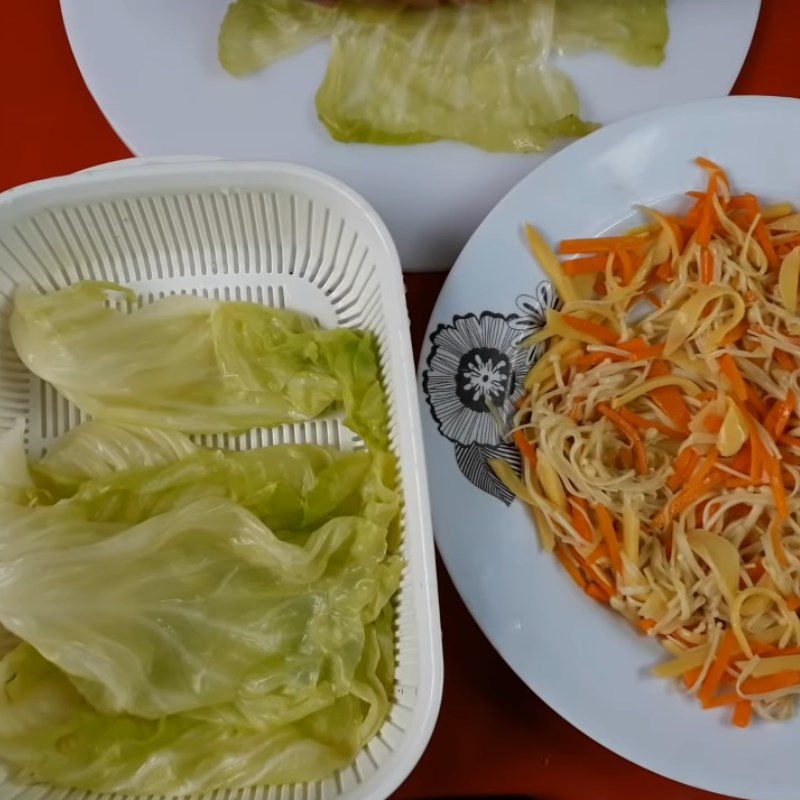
{"points": [[493, 735]]}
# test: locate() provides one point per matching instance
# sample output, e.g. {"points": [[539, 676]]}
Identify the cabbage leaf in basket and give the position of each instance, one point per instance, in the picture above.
{"points": [[291, 488], [478, 73], [50, 733], [197, 606], [227, 367]]}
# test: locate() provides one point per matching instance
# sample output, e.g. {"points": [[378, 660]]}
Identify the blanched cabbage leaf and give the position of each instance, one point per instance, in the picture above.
{"points": [[198, 606], [101, 449], [291, 488], [478, 74], [256, 33], [475, 73], [50, 733], [196, 365], [634, 30]]}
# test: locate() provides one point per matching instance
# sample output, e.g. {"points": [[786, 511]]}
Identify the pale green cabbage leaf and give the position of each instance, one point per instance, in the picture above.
{"points": [[255, 33], [634, 30], [196, 365], [479, 73], [50, 733], [197, 606]]}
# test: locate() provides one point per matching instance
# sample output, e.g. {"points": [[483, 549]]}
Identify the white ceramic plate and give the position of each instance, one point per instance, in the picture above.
{"points": [[582, 660], [152, 67]]}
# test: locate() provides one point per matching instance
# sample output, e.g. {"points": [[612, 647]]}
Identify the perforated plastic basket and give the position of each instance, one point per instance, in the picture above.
{"points": [[269, 233]]}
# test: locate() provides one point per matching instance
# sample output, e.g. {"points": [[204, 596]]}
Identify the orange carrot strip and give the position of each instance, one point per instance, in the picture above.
{"points": [[683, 467], [604, 244], [639, 452], [793, 602], [742, 713], [596, 593], [601, 551], [729, 369], [712, 423], [695, 487], [774, 531], [569, 566], [592, 328], [586, 265], [525, 447], [606, 526], [705, 224], [728, 647], [639, 349], [714, 169], [664, 271], [706, 266], [776, 482], [669, 399], [736, 333], [771, 683], [690, 677], [580, 519], [785, 360]]}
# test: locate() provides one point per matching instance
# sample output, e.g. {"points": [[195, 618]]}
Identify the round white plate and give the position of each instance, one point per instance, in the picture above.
{"points": [[152, 67], [581, 659]]}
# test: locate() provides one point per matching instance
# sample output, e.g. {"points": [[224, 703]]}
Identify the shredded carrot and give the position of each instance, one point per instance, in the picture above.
{"points": [[729, 369], [606, 526], [596, 593], [742, 713], [785, 360], [695, 487], [639, 350], [690, 677], [639, 452], [664, 271], [793, 602], [586, 265], [683, 467], [712, 423], [580, 518], [706, 266], [525, 447], [601, 551], [728, 647], [775, 538], [736, 333], [591, 328], [570, 566], [645, 625], [771, 683], [669, 399], [714, 169]]}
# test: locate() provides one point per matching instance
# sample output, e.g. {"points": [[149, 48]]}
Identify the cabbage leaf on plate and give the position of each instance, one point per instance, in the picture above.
{"points": [[479, 73]]}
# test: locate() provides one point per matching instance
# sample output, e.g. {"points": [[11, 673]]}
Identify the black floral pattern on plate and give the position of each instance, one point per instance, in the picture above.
{"points": [[476, 364]]}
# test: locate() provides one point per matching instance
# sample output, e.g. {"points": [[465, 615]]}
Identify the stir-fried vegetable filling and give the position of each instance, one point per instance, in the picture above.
{"points": [[661, 444]]}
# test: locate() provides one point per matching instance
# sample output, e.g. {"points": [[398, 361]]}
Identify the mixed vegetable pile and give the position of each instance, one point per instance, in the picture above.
{"points": [[660, 438]]}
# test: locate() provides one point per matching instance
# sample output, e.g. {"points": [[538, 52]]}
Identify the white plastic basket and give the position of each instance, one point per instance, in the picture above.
{"points": [[270, 233]]}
